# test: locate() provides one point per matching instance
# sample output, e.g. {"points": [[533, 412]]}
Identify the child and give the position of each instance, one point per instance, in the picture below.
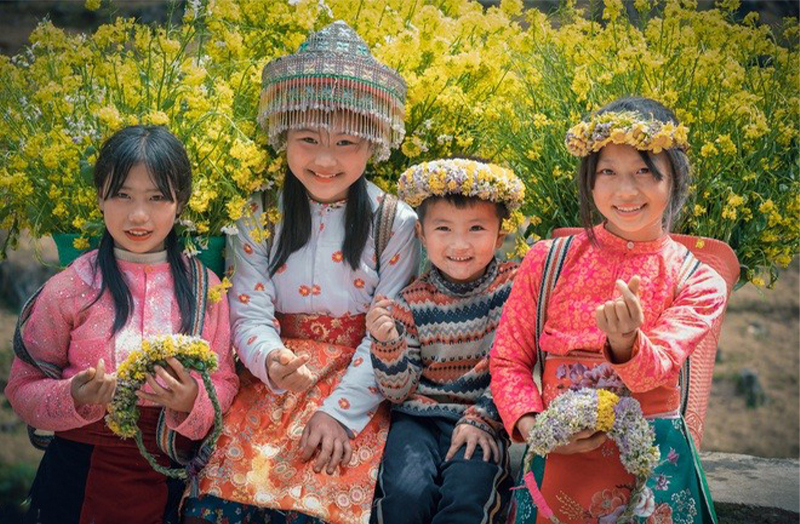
{"points": [[430, 351], [305, 435], [626, 311], [87, 320]]}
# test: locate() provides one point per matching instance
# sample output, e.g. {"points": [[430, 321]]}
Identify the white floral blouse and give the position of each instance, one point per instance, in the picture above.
{"points": [[317, 279]]}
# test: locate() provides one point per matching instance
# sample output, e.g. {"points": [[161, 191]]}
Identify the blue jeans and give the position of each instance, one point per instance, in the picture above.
{"points": [[416, 485]]}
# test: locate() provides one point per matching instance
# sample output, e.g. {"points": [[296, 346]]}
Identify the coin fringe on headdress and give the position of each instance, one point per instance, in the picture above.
{"points": [[333, 76]]}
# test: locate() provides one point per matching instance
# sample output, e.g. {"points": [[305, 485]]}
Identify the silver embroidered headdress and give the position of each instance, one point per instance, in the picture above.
{"points": [[333, 73]]}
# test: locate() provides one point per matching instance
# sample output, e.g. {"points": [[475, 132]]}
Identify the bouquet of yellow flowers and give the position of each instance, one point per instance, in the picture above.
{"points": [[123, 414]]}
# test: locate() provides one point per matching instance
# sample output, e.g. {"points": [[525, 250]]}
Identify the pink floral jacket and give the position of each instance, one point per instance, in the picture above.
{"points": [[676, 316], [63, 331]]}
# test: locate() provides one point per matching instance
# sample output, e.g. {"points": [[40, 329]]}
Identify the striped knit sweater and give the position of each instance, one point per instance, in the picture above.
{"points": [[439, 365]]}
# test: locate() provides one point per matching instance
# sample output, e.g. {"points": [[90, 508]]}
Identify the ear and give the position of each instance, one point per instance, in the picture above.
{"points": [[501, 237], [420, 233], [100, 203]]}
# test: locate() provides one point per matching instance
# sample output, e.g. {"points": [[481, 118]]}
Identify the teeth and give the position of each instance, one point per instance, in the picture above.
{"points": [[325, 176], [459, 259], [629, 209], [139, 233]]}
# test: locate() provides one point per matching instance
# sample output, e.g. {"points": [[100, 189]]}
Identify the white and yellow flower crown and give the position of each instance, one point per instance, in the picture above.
{"points": [[627, 127], [459, 176]]}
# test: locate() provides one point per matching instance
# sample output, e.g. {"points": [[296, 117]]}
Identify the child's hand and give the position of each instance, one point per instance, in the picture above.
{"points": [[288, 371], [581, 442], [380, 323], [324, 432], [525, 425], [621, 318], [472, 437], [93, 386], [179, 389]]}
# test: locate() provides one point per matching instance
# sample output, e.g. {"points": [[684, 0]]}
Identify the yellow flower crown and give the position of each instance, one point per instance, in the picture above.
{"points": [[459, 176], [625, 127]]}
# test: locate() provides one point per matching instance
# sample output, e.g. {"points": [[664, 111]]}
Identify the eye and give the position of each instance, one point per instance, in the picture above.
{"points": [[308, 140], [442, 228], [477, 227], [644, 171], [344, 142], [120, 195], [158, 198], [607, 172]]}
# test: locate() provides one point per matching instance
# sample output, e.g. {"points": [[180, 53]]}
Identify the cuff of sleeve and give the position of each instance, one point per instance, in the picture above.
{"points": [[338, 416], [391, 345], [85, 414], [511, 427], [260, 364], [89, 413], [478, 423], [632, 361], [192, 425]]}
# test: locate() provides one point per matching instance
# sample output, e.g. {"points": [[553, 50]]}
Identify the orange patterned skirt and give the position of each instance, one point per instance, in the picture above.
{"points": [[257, 460]]}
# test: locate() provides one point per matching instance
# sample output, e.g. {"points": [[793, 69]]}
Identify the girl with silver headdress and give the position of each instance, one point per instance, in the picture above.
{"points": [[305, 435]]}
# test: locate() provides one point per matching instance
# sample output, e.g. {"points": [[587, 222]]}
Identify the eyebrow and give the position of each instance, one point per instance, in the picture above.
{"points": [[128, 188]]}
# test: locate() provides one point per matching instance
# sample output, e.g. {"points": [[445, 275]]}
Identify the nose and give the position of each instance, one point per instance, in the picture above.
{"points": [[138, 214], [460, 244], [325, 159], [627, 185]]}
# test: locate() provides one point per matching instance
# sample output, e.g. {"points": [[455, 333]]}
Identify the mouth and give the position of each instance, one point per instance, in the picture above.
{"points": [[324, 176], [629, 210], [459, 259], [138, 235]]}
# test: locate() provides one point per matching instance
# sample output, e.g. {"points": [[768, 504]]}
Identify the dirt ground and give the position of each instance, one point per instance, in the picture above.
{"points": [[761, 333]]}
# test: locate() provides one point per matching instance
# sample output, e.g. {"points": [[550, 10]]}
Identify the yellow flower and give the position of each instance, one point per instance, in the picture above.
{"points": [[81, 243], [92, 5], [613, 8], [606, 401], [708, 150], [758, 281], [726, 144], [157, 118]]}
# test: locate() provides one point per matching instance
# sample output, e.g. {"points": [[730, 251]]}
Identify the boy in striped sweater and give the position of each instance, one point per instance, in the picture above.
{"points": [[446, 457]]}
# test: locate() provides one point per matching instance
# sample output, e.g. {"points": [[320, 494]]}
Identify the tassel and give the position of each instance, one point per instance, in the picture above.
{"points": [[537, 496]]}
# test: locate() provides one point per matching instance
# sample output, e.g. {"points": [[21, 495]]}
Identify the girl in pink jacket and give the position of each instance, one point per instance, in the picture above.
{"points": [[85, 322], [626, 307]]}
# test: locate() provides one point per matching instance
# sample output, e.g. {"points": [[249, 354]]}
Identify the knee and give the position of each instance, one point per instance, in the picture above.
{"points": [[405, 500]]}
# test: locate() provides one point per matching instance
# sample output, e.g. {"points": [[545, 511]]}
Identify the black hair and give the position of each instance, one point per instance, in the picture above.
{"points": [[460, 202], [296, 220], [168, 166], [678, 160]]}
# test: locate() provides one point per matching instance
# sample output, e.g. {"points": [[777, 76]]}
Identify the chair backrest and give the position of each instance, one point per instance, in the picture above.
{"points": [[698, 370]]}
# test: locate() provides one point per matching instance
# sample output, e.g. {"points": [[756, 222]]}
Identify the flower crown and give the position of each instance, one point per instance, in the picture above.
{"points": [[626, 127], [620, 418], [459, 176]]}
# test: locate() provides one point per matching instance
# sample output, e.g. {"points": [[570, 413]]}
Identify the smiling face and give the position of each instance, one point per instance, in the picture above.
{"points": [[628, 194], [460, 241], [139, 216], [326, 162]]}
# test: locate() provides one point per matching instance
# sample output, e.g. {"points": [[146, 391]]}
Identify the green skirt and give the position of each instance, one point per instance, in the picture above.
{"points": [[679, 488]]}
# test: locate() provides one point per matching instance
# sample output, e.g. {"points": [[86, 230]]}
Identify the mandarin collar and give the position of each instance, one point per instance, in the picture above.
{"points": [[326, 206], [465, 289], [609, 240], [148, 259]]}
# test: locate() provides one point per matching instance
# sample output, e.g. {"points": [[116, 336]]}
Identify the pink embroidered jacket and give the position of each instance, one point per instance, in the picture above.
{"points": [[62, 331], [676, 317]]}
